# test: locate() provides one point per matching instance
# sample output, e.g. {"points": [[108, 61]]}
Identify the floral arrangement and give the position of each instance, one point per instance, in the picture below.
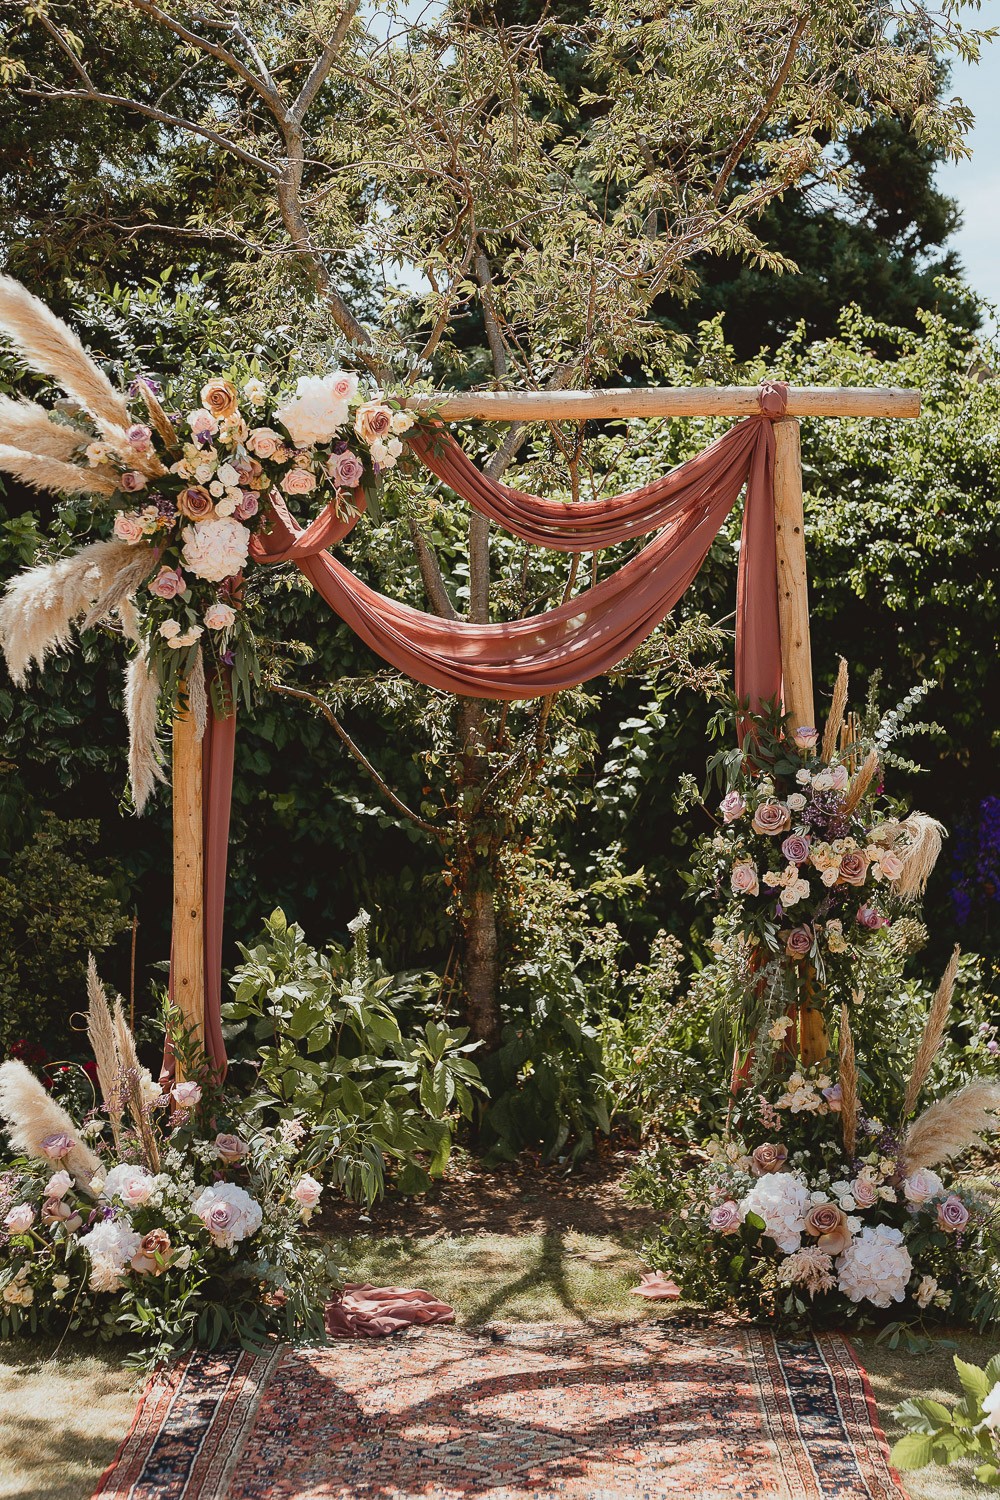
{"points": [[177, 497], [937, 1434], [155, 1215]]}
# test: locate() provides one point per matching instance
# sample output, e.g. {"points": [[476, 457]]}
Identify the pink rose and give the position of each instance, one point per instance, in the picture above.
{"points": [[854, 868], [835, 1098], [20, 1219], [299, 482], [343, 387], [871, 919], [202, 423], [57, 1211], [230, 1148], [128, 527], [139, 436], [131, 481], [725, 1219], [732, 807], [248, 506], [839, 778], [744, 880], [798, 942], [768, 1158], [864, 1192], [805, 736], [57, 1146], [220, 1216], [306, 1192], [922, 1185], [890, 865], [345, 471], [372, 421], [264, 442], [828, 1225], [219, 616], [771, 817], [168, 583], [952, 1214], [186, 1095], [796, 849], [58, 1185]]}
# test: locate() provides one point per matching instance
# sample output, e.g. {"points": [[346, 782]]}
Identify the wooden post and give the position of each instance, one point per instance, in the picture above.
{"points": [[188, 949], [793, 589]]}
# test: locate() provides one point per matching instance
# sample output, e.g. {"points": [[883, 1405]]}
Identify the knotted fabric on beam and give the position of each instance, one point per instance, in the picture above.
{"points": [[578, 640]]}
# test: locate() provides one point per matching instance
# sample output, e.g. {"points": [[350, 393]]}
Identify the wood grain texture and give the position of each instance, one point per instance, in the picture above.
{"points": [[660, 401], [188, 946], [793, 588]]}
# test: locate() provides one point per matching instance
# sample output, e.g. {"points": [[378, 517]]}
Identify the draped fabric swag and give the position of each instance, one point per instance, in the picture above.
{"points": [[578, 640]]}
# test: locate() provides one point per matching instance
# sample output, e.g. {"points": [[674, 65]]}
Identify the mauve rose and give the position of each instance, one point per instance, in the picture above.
{"points": [[264, 442], [725, 1219], [744, 880], [805, 736], [57, 1145], [57, 1211], [230, 1148], [372, 421], [834, 1097], [828, 1225], [131, 481], [220, 1216], [248, 506], [20, 1219], [151, 1257], [168, 583], [345, 471], [138, 435], [219, 397], [768, 1158], [839, 778], [299, 482], [864, 1192], [854, 868], [952, 1214], [798, 942], [732, 807], [870, 918], [196, 503], [771, 817], [796, 849]]}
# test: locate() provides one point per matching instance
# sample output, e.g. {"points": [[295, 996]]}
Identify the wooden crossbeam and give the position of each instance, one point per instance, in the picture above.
{"points": [[661, 401]]}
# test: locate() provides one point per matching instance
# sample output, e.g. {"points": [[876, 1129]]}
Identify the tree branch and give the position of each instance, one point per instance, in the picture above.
{"points": [[358, 754], [321, 67], [750, 133]]}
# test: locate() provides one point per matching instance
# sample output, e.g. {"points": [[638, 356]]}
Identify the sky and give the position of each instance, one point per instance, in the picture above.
{"points": [[975, 184]]}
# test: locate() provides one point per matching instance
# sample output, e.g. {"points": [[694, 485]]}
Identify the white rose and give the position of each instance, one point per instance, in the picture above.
{"points": [[131, 1185], [922, 1185], [803, 777], [316, 413], [796, 801], [169, 629], [228, 476], [991, 1404]]}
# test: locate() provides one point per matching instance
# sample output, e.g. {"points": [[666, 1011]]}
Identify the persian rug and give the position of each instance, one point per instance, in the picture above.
{"points": [[643, 1412]]}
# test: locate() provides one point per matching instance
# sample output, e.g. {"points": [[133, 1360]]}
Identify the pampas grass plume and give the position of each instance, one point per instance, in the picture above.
{"points": [[131, 1073], [28, 426], [951, 1125], [53, 349], [930, 1042], [101, 1035], [835, 718], [848, 1080], [862, 781], [53, 477], [145, 754], [31, 1115]]}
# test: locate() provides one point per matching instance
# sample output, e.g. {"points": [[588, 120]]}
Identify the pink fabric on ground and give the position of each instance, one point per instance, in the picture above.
{"points": [[367, 1312]]}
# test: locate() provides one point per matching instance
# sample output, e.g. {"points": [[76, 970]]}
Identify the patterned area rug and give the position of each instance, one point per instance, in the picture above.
{"points": [[647, 1411]]}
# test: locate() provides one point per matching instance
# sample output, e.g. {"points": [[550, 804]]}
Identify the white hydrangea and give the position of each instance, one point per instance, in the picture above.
{"points": [[875, 1267], [228, 1213], [215, 549], [111, 1244], [316, 412], [781, 1199]]}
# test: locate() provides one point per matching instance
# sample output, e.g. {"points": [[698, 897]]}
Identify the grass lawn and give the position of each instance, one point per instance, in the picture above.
{"points": [[523, 1256]]}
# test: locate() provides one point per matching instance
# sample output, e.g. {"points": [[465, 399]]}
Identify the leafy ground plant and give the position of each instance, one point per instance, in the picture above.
{"points": [[938, 1434]]}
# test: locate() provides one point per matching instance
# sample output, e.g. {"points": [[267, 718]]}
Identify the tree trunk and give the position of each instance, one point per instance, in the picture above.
{"points": [[481, 961]]}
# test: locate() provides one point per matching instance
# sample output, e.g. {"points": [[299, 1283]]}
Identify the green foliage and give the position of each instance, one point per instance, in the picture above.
{"points": [[330, 1058], [56, 905], [938, 1434]]}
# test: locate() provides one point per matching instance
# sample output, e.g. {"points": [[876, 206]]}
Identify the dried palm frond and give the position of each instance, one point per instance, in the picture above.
{"points": [[862, 781], [930, 1042], [917, 840], [29, 427], [848, 1080], [132, 1074], [101, 1035], [158, 416], [951, 1125], [41, 606], [835, 718], [32, 1115], [146, 759], [197, 695], [53, 477], [53, 349]]}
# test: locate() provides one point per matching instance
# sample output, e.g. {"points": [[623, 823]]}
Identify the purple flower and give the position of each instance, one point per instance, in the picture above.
{"points": [[871, 919], [952, 1214], [796, 849], [135, 389]]}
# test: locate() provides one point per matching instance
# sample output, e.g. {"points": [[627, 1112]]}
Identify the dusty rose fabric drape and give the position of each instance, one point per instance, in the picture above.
{"points": [[542, 654]]}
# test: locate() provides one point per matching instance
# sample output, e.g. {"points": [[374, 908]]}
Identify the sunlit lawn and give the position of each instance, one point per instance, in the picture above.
{"points": [[61, 1418]]}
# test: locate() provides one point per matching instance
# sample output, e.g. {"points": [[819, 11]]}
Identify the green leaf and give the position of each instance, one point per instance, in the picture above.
{"points": [[914, 1451], [975, 1383]]}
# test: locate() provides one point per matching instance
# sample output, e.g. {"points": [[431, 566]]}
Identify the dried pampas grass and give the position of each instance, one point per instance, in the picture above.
{"points": [[848, 1080], [28, 426], [930, 1042], [835, 718], [41, 606], [197, 695], [862, 781], [158, 416], [53, 349], [146, 759], [951, 1125], [51, 476], [917, 840], [31, 1115], [101, 1035], [132, 1080]]}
